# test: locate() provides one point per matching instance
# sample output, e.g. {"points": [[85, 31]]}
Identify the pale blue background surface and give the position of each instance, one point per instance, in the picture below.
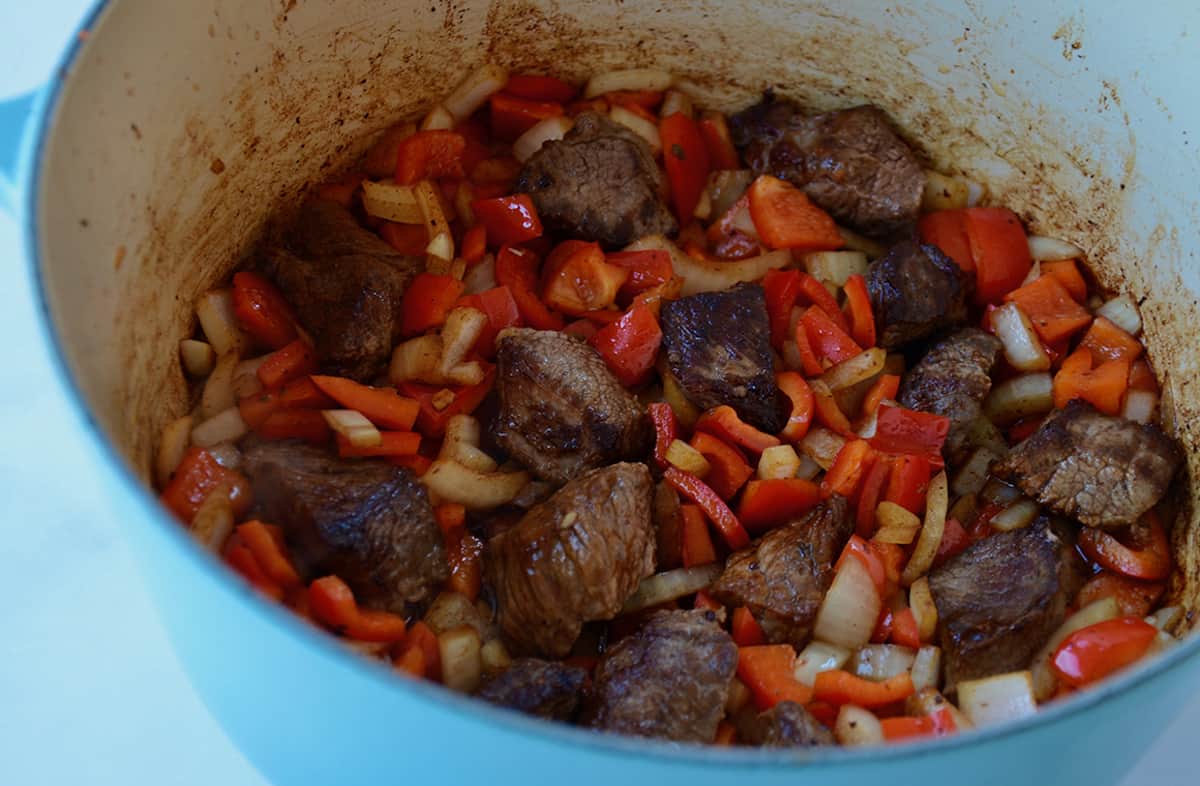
{"points": [[90, 692]]}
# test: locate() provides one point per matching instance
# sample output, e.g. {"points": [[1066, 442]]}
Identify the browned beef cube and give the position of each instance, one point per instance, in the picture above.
{"points": [[572, 559], [599, 182], [670, 680], [999, 601], [783, 577], [548, 689], [916, 292], [562, 412], [786, 725], [849, 162], [345, 285], [1103, 471], [718, 347], [366, 520], [953, 380]]}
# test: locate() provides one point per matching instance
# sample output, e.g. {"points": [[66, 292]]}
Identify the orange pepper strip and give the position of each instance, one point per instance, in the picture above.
{"points": [[841, 687]]}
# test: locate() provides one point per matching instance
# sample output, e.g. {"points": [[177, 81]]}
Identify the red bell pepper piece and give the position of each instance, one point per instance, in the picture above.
{"points": [[828, 413], [768, 503], [728, 469], [808, 359], [512, 115], [1092, 653], [421, 638], [803, 406], [1134, 598], [516, 268], [647, 269], [714, 507], [849, 468], [332, 603], [1068, 275], [197, 475], [509, 220], [427, 301], [937, 724], [900, 430], [861, 316], [297, 359], [954, 541], [394, 443], [721, 152], [886, 387], [431, 421], [1149, 557], [745, 630], [262, 312], [869, 556], [724, 422], [705, 601], [827, 340], [540, 88], [841, 687], [872, 490], [1000, 250], [1105, 340], [781, 288], [408, 239], [786, 218], [239, 557], [266, 544], [819, 296], [501, 310], [909, 482], [1103, 385], [382, 406], [1053, 312], [904, 629], [768, 670], [428, 155], [696, 542], [630, 345], [635, 99], [305, 424], [665, 430], [302, 393], [578, 280], [947, 229], [686, 159], [474, 244]]}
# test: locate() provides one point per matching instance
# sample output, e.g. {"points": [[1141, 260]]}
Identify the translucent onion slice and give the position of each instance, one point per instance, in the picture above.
{"points": [[997, 699], [671, 585], [474, 90], [936, 503], [548, 130], [632, 79]]}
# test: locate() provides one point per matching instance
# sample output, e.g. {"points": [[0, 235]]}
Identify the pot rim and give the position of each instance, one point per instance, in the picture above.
{"points": [[28, 180]]}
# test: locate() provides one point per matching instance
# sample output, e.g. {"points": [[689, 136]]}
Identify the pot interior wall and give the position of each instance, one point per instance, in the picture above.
{"points": [[183, 126]]}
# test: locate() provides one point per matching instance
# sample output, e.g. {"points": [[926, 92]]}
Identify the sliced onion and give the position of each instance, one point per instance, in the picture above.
{"points": [[1018, 515], [441, 247], [1020, 397], [481, 277], [927, 700], [685, 412], [217, 320], [438, 119], [213, 521], [417, 359], [474, 90], [924, 610], [245, 377], [687, 458], [218, 394], [460, 332], [226, 426], [949, 192], [835, 267], [549, 130], [354, 426], [999, 493], [632, 79], [852, 371], [1123, 312], [1140, 406], [461, 444], [1051, 249], [726, 186], [822, 446], [638, 125], [856, 727], [433, 214], [808, 468], [494, 657], [391, 202], [198, 357], [671, 585], [778, 461], [1044, 681], [226, 454], [936, 502], [701, 276], [1022, 347], [676, 102], [817, 657], [850, 609], [1166, 618], [896, 524], [927, 668], [879, 662], [173, 443], [993, 700], [453, 482], [462, 668], [973, 474]]}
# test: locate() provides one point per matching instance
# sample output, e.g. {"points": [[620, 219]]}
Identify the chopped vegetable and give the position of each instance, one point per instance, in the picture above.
{"points": [[827, 340], [382, 406], [697, 546], [509, 220], [1094, 652], [673, 584], [860, 314], [295, 360], [627, 80], [777, 463], [453, 482], [218, 320], [1022, 347], [1103, 386], [992, 700], [516, 269], [900, 430], [768, 671], [357, 430], [579, 280], [332, 603], [724, 422], [197, 357], [786, 218], [630, 345], [512, 116], [939, 724], [728, 469], [686, 458], [197, 475], [851, 466], [936, 504], [848, 612], [470, 93], [1148, 559], [800, 394], [717, 511], [685, 157], [429, 154], [745, 630], [841, 687], [540, 88], [856, 727], [766, 503], [1054, 313], [1108, 341]]}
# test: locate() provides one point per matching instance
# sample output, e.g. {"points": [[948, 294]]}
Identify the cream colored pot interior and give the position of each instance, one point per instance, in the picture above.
{"points": [[183, 126]]}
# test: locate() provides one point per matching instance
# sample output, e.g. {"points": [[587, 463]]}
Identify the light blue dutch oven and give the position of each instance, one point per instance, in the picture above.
{"points": [[171, 130]]}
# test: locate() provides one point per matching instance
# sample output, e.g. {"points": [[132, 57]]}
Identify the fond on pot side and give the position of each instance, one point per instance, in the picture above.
{"points": [[175, 142]]}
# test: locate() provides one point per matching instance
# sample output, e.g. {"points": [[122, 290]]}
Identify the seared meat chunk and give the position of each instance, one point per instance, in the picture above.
{"points": [[572, 559], [953, 380], [783, 577], [786, 725], [346, 285], [562, 412], [548, 689], [849, 162], [669, 680], [999, 601], [1103, 471], [718, 347], [916, 292], [599, 182], [368, 521]]}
